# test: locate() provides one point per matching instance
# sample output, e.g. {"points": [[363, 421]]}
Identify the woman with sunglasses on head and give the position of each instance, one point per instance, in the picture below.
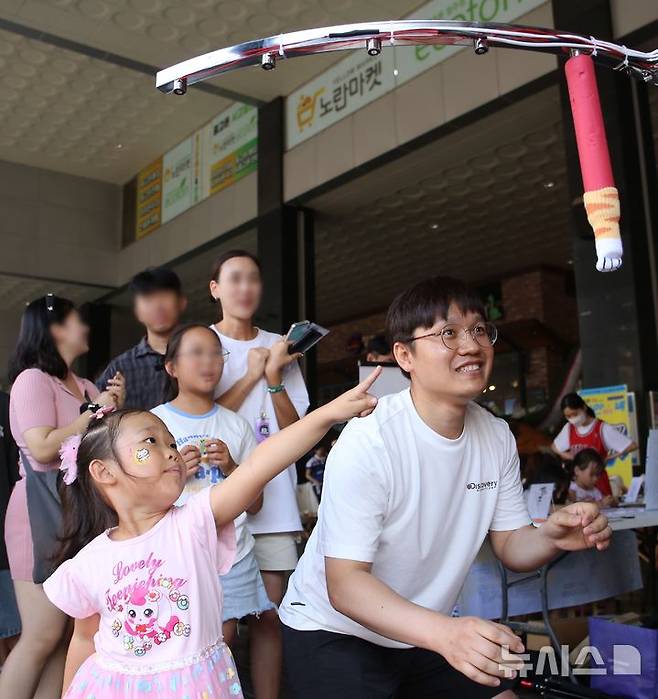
{"points": [[48, 404]]}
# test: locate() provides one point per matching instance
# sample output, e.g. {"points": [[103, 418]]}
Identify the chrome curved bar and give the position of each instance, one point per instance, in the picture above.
{"points": [[374, 36]]}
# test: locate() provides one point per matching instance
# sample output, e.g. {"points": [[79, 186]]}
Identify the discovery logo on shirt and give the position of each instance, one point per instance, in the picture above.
{"points": [[487, 485]]}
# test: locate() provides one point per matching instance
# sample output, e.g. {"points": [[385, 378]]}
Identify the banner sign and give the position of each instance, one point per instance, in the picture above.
{"points": [[212, 159], [149, 199], [360, 79], [178, 169], [232, 147], [611, 405]]}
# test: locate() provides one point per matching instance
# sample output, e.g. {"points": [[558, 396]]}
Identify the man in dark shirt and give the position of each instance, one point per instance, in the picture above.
{"points": [[158, 303]]}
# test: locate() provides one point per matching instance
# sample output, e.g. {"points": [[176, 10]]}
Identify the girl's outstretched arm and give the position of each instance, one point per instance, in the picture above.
{"points": [[232, 497]]}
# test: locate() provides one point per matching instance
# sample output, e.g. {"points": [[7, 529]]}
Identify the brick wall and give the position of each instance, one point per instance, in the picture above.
{"points": [[522, 297], [542, 294]]}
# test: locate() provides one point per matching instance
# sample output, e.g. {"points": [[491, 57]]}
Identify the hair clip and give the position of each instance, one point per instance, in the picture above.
{"points": [[50, 302], [68, 454], [103, 411]]}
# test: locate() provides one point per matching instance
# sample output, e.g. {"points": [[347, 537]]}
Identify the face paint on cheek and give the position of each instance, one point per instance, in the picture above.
{"points": [[142, 455]]}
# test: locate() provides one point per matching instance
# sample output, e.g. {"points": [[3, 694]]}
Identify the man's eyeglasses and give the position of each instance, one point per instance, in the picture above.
{"points": [[484, 334]]}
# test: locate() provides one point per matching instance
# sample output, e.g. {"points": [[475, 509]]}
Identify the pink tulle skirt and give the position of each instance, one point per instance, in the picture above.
{"points": [[211, 676]]}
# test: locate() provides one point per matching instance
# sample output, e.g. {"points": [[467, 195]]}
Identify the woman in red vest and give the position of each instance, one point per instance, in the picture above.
{"points": [[585, 431]]}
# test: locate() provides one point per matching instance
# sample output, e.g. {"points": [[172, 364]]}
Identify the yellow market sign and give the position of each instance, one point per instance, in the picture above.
{"points": [[149, 199]]}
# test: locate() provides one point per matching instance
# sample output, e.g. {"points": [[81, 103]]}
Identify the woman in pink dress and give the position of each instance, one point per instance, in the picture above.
{"points": [[48, 403]]}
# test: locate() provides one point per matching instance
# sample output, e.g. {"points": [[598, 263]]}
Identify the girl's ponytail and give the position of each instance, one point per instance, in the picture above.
{"points": [[86, 513]]}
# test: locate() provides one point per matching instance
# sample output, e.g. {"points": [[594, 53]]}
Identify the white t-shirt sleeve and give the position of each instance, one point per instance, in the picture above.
{"points": [[296, 388], [561, 442], [354, 497], [613, 439], [247, 442], [511, 510]]}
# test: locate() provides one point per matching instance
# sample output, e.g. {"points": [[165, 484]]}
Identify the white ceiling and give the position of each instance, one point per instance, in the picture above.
{"points": [[16, 292], [474, 204], [65, 111]]}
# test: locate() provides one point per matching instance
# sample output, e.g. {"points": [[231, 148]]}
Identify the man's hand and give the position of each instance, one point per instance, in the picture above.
{"points": [[219, 455], [192, 458], [117, 387], [576, 527], [475, 648]]}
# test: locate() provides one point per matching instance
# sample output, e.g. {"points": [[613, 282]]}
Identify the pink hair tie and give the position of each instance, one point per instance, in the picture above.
{"points": [[103, 411], [68, 453]]}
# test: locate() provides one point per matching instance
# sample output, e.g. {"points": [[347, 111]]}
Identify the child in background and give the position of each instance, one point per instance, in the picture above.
{"points": [[315, 469], [144, 592], [213, 441], [585, 471]]}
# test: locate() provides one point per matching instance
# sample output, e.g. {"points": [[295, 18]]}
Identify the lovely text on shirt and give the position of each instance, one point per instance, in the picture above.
{"points": [[151, 564]]}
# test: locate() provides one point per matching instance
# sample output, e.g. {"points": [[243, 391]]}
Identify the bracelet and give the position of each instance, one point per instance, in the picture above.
{"points": [[276, 389]]}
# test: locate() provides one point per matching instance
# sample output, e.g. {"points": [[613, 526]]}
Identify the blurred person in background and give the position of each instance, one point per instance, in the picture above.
{"points": [[263, 383], [314, 470], [10, 621], [584, 430], [48, 403], [159, 303], [378, 350], [545, 467], [585, 471]]}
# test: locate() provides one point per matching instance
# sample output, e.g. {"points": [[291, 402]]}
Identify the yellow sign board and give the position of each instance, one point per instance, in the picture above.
{"points": [[611, 405], [149, 199]]}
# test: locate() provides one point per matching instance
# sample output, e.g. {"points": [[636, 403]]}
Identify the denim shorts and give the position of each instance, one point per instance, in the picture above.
{"points": [[244, 592], [10, 620]]}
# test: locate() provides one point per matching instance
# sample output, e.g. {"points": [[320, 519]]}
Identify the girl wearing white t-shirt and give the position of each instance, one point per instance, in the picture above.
{"points": [[263, 384], [585, 472], [213, 441]]}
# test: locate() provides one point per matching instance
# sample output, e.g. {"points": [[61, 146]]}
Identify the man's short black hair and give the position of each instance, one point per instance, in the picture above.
{"points": [[423, 304], [155, 279], [378, 344]]}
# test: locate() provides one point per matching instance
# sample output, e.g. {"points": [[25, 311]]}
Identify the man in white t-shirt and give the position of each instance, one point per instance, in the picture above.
{"points": [[410, 493]]}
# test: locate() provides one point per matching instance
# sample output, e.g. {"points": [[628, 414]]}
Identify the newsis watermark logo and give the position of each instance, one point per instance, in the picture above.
{"points": [[487, 485], [626, 660]]}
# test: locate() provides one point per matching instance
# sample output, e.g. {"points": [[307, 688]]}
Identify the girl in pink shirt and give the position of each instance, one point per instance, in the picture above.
{"points": [[144, 593]]}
